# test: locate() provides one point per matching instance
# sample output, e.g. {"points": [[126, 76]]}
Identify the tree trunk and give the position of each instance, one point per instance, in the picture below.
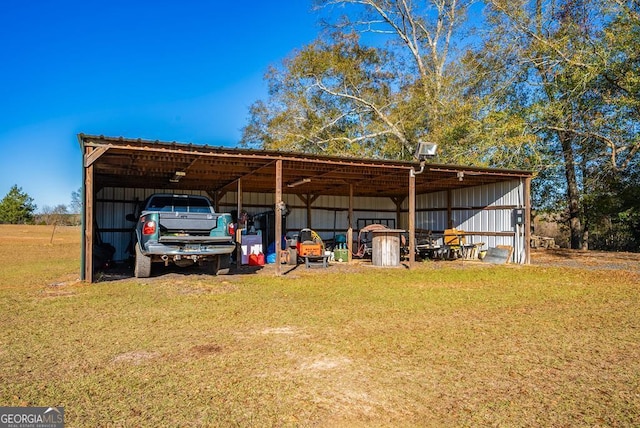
{"points": [[585, 237], [573, 193]]}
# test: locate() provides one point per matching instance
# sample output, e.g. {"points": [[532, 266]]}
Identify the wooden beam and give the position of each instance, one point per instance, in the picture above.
{"points": [[253, 172], [192, 149], [93, 155], [192, 163]]}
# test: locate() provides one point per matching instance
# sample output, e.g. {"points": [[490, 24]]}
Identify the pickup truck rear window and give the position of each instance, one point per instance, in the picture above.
{"points": [[182, 204]]}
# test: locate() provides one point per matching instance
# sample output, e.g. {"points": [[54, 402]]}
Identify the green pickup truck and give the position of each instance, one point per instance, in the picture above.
{"points": [[183, 230]]}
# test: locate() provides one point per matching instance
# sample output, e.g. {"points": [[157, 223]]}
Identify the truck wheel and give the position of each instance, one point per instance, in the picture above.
{"points": [[143, 264], [219, 265], [224, 262]]}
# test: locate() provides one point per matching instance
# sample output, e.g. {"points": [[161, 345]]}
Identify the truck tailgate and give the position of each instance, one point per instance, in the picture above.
{"points": [[187, 239], [187, 223]]}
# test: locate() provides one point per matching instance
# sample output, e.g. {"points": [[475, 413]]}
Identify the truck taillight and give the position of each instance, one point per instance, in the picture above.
{"points": [[149, 228], [232, 229]]}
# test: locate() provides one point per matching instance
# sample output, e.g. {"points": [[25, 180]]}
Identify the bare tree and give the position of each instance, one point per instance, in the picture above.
{"points": [[57, 215]]}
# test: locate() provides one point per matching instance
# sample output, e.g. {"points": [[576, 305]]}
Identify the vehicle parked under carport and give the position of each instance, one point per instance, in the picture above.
{"points": [[183, 230]]}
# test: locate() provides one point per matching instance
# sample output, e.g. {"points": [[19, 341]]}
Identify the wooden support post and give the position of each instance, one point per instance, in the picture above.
{"points": [[397, 201], [350, 226], [309, 219], [449, 211], [216, 196], [412, 218], [238, 231], [527, 220], [216, 201], [89, 218], [278, 209]]}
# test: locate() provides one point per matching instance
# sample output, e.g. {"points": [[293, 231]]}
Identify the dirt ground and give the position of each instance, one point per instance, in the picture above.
{"points": [[600, 260], [596, 260]]}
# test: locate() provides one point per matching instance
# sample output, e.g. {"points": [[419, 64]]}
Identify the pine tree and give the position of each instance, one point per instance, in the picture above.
{"points": [[17, 207]]}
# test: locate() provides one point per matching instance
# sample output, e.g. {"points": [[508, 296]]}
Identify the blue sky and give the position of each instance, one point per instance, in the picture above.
{"points": [[166, 70]]}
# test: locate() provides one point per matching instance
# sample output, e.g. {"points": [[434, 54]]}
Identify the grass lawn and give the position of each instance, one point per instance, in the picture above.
{"points": [[444, 344]]}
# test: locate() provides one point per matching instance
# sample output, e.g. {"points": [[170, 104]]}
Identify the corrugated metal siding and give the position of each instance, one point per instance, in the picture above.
{"points": [[479, 209], [429, 201], [326, 211]]}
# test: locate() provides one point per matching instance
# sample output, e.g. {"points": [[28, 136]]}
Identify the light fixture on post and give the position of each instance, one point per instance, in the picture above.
{"points": [[424, 150], [177, 176], [299, 182]]}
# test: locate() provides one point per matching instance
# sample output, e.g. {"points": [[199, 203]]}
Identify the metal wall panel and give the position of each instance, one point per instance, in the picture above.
{"points": [[477, 209], [431, 220], [325, 212], [436, 200], [487, 209], [330, 201]]}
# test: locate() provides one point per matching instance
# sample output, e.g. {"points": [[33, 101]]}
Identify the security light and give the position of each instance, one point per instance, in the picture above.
{"points": [[425, 150]]}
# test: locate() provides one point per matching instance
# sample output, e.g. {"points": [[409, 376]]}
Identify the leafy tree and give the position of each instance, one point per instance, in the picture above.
{"points": [[340, 95], [385, 75], [556, 56], [332, 98], [17, 207], [614, 207], [424, 95], [618, 84]]}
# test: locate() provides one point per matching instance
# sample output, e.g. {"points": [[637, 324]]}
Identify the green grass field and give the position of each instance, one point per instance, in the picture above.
{"points": [[444, 344]]}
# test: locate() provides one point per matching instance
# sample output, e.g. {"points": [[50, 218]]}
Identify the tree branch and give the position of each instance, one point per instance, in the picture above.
{"points": [[615, 150], [378, 112]]}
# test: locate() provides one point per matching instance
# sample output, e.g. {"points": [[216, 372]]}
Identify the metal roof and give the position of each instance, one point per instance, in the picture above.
{"points": [[137, 163]]}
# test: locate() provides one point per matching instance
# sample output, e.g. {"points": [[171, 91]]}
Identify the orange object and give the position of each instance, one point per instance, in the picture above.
{"points": [[256, 259], [309, 244], [454, 237], [309, 249]]}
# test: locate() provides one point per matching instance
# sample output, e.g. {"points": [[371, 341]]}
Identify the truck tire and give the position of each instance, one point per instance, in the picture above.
{"points": [[219, 265], [224, 263], [143, 264]]}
